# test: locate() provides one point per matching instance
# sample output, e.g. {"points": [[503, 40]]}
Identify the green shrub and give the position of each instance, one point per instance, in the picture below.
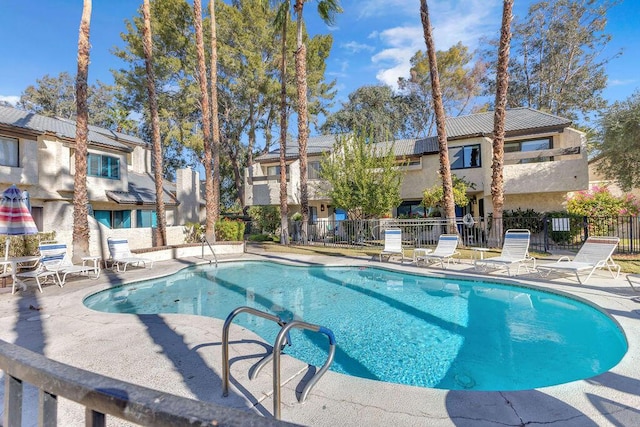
{"points": [[575, 227], [266, 217], [525, 219], [25, 245], [193, 232], [260, 238], [229, 230]]}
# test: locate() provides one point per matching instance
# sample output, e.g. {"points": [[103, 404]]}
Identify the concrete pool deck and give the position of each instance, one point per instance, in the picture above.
{"points": [[181, 354]]}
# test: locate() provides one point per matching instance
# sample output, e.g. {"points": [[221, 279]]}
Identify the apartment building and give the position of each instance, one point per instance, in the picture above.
{"points": [[37, 154], [545, 158]]}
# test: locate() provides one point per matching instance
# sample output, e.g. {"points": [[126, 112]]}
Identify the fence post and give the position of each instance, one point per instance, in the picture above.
{"points": [[545, 228], [585, 223]]}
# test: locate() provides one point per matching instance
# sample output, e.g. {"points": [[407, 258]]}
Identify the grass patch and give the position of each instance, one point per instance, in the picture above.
{"points": [[628, 263]]}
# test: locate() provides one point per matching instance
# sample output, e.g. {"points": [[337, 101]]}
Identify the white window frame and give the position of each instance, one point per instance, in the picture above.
{"points": [[9, 152]]}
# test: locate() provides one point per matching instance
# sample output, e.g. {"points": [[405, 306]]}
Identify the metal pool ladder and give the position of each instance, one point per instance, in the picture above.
{"points": [[281, 341]]}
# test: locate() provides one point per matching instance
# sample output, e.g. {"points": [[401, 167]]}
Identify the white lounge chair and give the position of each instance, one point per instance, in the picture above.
{"points": [[445, 250], [595, 253], [515, 251], [55, 259], [392, 244], [121, 256]]}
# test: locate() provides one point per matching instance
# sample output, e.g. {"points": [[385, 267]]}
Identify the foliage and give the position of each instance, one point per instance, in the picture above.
{"points": [[296, 217], [24, 245], [363, 176], [193, 232], [619, 150], [523, 219], [56, 97], [266, 217], [599, 202], [432, 197], [576, 223], [558, 65], [228, 230], [260, 238], [460, 83], [374, 106]]}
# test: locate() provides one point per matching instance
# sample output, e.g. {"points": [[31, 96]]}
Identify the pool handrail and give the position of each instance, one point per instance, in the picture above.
{"points": [[281, 341]]}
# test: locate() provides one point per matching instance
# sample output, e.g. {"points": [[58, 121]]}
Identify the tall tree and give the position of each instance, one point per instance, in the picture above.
{"points": [[448, 202], [80, 238], [161, 230], [619, 149], [56, 97], [375, 107], [363, 177], [206, 123], [281, 21], [215, 123], [327, 10], [502, 85], [558, 64], [460, 83], [176, 89]]}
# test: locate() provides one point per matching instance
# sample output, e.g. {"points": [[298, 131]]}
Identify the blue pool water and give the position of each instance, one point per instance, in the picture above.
{"points": [[395, 327]]}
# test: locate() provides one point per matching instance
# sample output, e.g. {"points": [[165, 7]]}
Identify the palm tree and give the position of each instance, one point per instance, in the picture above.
{"points": [[211, 208], [281, 21], [502, 84], [215, 125], [80, 239], [445, 168], [161, 230], [327, 10]]}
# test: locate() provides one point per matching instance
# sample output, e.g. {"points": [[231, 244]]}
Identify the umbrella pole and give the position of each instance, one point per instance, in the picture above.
{"points": [[6, 248]]}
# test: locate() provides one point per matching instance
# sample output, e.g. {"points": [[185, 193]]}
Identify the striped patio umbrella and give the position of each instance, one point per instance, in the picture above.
{"points": [[15, 218]]}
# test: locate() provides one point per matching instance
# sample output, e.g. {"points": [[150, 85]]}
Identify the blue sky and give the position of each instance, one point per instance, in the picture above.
{"points": [[373, 39]]}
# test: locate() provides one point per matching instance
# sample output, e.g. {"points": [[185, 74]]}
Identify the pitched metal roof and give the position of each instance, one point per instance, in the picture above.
{"points": [[142, 191], [315, 145], [519, 121], [63, 128]]}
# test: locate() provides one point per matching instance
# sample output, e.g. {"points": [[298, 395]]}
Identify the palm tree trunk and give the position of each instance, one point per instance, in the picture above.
{"points": [[161, 229], [206, 123], [215, 125], [502, 84], [445, 167], [80, 239], [303, 125], [284, 208]]}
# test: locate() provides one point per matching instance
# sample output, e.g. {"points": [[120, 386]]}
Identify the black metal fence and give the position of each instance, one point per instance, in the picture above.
{"points": [[548, 234]]}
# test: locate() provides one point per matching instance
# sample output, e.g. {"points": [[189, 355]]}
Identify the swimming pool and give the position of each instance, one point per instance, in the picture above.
{"points": [[397, 327]]}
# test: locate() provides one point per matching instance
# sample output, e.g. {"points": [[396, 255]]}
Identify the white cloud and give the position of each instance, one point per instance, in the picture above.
{"points": [[372, 8], [11, 99], [453, 22], [618, 82], [356, 47]]}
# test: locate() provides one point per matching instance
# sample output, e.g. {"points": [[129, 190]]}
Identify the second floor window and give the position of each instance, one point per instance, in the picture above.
{"points": [[274, 171], [529, 145], [103, 166], [8, 152], [464, 157], [313, 170]]}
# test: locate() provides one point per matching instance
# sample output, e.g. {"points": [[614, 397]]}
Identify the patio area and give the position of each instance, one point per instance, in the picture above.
{"points": [[181, 354]]}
